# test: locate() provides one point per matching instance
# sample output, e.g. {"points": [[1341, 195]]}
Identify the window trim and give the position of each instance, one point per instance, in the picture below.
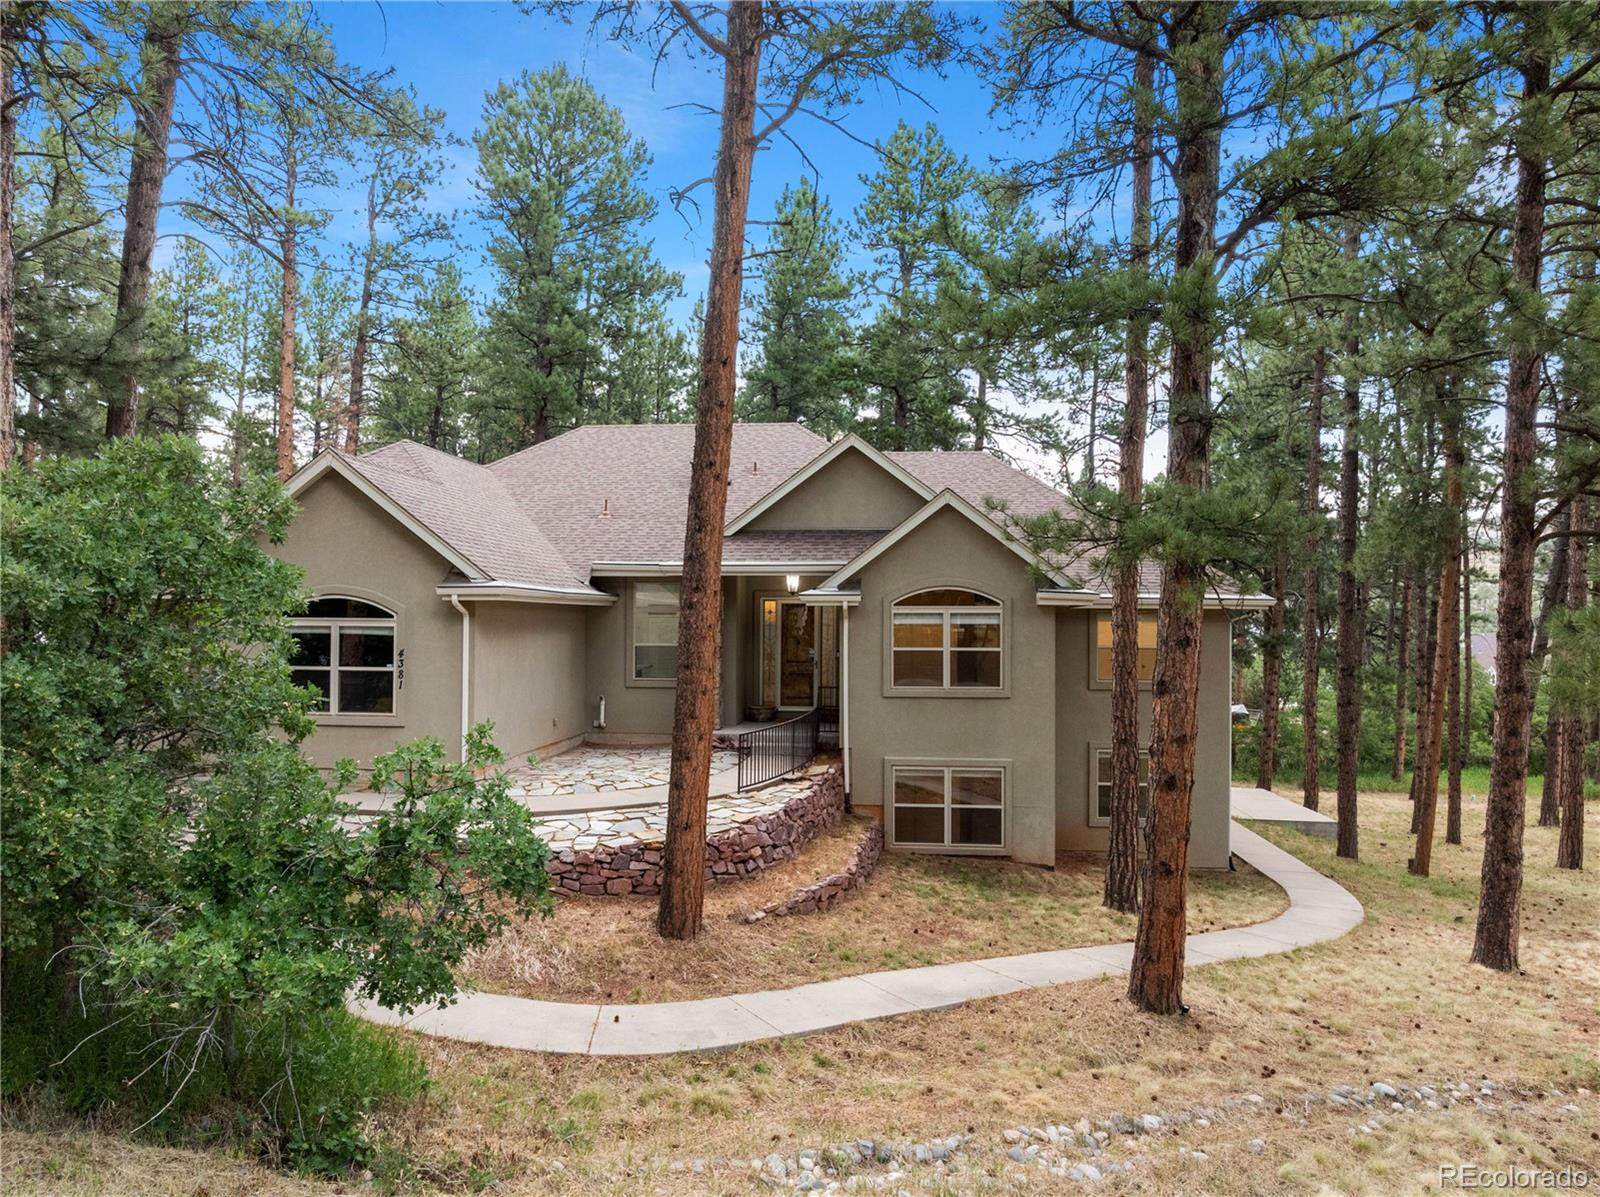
{"points": [[333, 717], [1095, 681], [629, 660], [1096, 750], [893, 606], [948, 765]]}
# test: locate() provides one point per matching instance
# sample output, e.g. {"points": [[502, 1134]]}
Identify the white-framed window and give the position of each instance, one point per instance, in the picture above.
{"points": [[344, 650], [1100, 786], [655, 631], [1102, 647], [946, 639], [954, 806]]}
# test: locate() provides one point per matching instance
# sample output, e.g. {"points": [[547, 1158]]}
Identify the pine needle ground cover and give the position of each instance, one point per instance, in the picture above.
{"points": [[914, 910], [1393, 1002]]}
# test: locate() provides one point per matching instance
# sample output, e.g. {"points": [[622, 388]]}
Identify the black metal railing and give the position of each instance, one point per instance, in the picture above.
{"points": [[828, 716], [767, 753]]}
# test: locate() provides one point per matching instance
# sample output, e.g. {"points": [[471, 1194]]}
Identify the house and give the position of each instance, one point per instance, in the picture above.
{"points": [[541, 591], [1483, 652]]}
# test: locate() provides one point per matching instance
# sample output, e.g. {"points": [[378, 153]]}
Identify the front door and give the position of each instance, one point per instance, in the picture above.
{"points": [[797, 649]]}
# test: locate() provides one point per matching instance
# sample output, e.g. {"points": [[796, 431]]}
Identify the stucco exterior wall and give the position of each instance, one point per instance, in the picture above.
{"points": [[1083, 724], [644, 708], [1016, 727], [528, 663], [347, 545], [633, 708], [849, 492]]}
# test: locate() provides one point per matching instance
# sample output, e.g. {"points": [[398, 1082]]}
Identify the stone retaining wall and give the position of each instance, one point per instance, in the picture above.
{"points": [[633, 866], [831, 890]]}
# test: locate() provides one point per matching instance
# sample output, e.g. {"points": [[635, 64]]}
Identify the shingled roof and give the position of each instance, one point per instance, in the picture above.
{"points": [[620, 492], [604, 497], [465, 505]]}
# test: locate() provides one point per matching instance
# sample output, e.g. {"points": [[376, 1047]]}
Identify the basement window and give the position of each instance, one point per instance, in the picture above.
{"points": [[1100, 786], [952, 808]]}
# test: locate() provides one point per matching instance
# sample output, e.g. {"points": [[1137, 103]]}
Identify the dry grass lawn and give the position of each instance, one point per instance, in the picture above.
{"points": [[914, 910], [1395, 1000]]}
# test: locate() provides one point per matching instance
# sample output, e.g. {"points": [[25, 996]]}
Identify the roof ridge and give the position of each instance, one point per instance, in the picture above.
{"points": [[526, 449]]}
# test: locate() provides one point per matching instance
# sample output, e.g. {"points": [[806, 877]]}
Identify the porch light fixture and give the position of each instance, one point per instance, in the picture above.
{"points": [[791, 583]]}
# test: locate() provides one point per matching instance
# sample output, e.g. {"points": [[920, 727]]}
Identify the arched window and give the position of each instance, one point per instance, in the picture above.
{"points": [[947, 639], [344, 649]]}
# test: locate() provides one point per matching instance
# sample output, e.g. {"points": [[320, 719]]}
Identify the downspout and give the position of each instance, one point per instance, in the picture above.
{"points": [[466, 670], [844, 693]]}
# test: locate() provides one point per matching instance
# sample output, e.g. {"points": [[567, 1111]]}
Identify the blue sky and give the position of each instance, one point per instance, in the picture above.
{"points": [[452, 53]]}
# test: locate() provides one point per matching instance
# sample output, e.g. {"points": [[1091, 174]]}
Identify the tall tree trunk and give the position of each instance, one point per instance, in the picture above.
{"points": [[683, 876], [1452, 818], [1550, 783], [1155, 981], [358, 352], [1272, 672], [436, 418], [160, 62], [1569, 847], [1444, 646], [1122, 853], [8, 263], [980, 415], [1399, 768], [1553, 596], [1347, 733], [1466, 649], [289, 248], [1427, 643], [1310, 632], [1555, 590], [1500, 898]]}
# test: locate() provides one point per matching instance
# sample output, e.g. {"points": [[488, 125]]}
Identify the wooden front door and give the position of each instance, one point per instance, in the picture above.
{"points": [[797, 657]]}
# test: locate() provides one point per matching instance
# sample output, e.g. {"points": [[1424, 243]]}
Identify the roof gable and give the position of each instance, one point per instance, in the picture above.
{"points": [[831, 465], [946, 500], [457, 508], [333, 462]]}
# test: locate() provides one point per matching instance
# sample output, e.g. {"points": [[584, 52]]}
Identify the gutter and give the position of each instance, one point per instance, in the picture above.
{"points": [[1101, 600], [672, 569], [512, 592], [466, 669]]}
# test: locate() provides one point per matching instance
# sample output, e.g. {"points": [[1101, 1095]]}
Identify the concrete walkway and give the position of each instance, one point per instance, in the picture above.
{"points": [[1248, 802], [1319, 910]]}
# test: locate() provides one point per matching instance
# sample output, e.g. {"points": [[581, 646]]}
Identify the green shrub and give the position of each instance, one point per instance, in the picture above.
{"points": [[65, 1057], [188, 875]]}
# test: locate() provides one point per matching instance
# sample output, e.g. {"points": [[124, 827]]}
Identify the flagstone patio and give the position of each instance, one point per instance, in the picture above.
{"points": [[593, 769], [583, 830]]}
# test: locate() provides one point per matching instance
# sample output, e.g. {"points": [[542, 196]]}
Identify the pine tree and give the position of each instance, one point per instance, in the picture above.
{"points": [[183, 342], [428, 369], [905, 366], [328, 318], [802, 366], [563, 199], [399, 158]]}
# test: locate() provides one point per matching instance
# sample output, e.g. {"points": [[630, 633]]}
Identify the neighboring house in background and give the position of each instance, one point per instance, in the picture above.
{"points": [[1483, 649], [541, 592]]}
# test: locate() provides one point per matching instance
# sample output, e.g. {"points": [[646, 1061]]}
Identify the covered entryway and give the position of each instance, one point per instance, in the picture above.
{"points": [[799, 655]]}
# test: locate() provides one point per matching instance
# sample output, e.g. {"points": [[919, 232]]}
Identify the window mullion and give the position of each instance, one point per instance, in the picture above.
{"points": [[333, 669], [947, 815], [947, 675]]}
